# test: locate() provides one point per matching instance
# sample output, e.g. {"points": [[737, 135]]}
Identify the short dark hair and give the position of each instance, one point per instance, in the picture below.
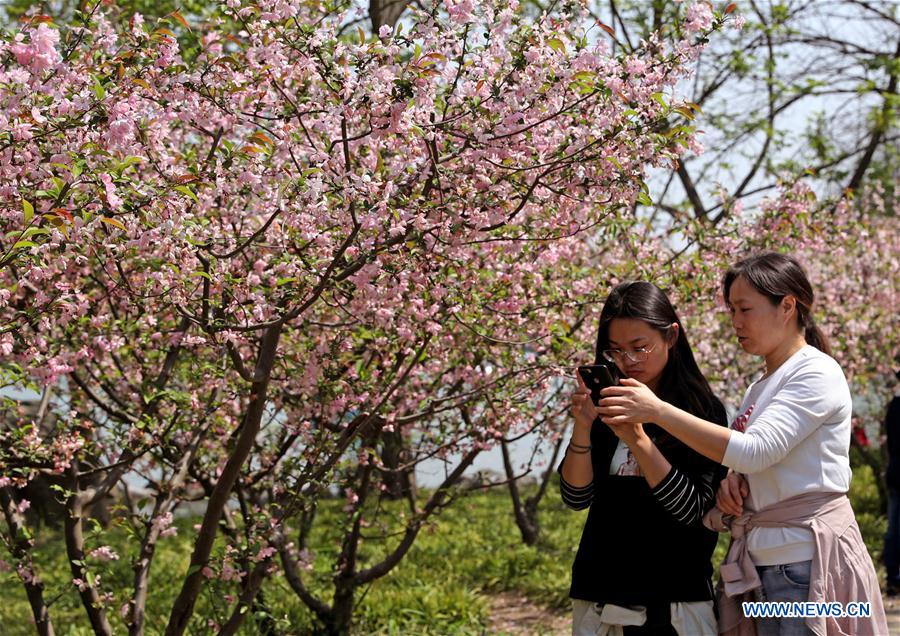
{"points": [[775, 276]]}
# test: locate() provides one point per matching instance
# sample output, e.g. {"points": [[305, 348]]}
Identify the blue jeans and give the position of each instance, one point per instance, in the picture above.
{"points": [[786, 583], [892, 539]]}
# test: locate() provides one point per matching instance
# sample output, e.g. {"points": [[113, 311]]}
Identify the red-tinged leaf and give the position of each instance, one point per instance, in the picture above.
{"points": [[260, 136], [36, 18], [362, 35], [186, 178], [120, 72], [114, 222], [249, 149], [607, 28], [731, 7], [180, 19], [228, 60], [164, 31], [63, 213], [141, 83]]}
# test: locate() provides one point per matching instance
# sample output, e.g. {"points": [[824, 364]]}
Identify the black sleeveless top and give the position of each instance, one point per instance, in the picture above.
{"points": [[634, 549]]}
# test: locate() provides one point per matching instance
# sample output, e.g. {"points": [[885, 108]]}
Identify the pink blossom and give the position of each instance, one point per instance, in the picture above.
{"points": [[635, 66], [460, 11], [104, 553], [112, 199], [6, 344], [163, 524], [699, 17], [40, 53]]}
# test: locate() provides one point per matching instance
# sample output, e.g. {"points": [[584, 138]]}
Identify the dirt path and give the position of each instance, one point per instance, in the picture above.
{"points": [[515, 615], [892, 609]]}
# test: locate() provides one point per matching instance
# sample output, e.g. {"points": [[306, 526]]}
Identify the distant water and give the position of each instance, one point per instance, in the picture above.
{"points": [[432, 472]]}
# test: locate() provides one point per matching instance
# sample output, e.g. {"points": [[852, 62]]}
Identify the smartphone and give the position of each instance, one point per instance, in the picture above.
{"points": [[597, 377]]}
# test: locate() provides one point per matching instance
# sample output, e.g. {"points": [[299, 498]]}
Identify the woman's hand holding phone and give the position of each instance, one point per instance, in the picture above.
{"points": [[583, 409]]}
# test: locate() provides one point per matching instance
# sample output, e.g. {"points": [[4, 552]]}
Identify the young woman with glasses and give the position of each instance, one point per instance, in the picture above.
{"points": [[794, 535], [643, 563]]}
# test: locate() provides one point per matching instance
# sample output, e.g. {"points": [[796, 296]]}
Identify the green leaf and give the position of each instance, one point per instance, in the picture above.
{"points": [[186, 190], [129, 161], [99, 91], [557, 45], [32, 231], [659, 97], [203, 274], [28, 211], [644, 199], [193, 569], [24, 244]]}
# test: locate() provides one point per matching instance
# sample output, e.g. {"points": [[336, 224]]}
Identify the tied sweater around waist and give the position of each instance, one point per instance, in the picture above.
{"points": [[842, 570]]}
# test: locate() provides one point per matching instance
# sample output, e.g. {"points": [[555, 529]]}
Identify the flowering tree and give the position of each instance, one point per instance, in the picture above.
{"points": [[240, 277], [847, 249], [799, 87]]}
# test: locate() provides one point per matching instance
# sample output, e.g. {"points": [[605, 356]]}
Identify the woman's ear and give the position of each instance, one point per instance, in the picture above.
{"points": [[672, 336], [788, 307]]}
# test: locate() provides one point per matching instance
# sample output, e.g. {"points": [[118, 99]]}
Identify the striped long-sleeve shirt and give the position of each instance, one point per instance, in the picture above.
{"points": [[684, 497]]}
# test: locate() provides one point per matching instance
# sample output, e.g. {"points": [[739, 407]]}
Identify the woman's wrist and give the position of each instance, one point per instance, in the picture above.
{"points": [[661, 417], [642, 442], [581, 434]]}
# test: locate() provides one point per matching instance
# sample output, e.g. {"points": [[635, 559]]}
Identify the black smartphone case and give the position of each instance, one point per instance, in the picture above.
{"points": [[597, 377]]}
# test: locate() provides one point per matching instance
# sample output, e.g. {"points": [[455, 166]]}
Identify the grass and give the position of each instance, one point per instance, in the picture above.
{"points": [[470, 552]]}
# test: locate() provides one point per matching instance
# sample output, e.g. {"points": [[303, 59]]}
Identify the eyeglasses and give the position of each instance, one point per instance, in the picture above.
{"points": [[638, 355]]}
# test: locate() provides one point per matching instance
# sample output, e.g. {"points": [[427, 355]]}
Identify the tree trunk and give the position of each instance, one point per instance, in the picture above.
{"points": [[526, 513], [527, 524], [342, 609], [398, 483], [184, 604], [75, 551], [21, 550]]}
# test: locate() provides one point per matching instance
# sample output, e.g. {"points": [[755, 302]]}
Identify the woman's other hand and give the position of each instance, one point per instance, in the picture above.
{"points": [[732, 492], [629, 403], [631, 434], [583, 409]]}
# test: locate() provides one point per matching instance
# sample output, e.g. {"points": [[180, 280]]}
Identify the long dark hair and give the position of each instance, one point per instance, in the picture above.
{"points": [[775, 276], [681, 383]]}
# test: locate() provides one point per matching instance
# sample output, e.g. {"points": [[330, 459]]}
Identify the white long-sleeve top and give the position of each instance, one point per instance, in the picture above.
{"points": [[796, 440]]}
